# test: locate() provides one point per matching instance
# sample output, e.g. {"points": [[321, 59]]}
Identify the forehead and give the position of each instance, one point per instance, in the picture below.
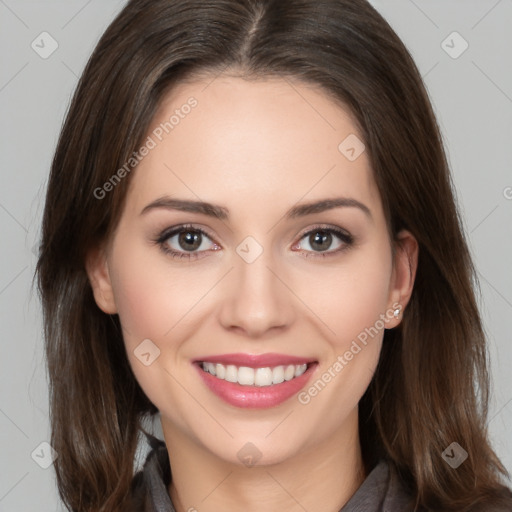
{"points": [[240, 142]]}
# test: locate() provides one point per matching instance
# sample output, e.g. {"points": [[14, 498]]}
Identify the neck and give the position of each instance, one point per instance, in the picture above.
{"points": [[322, 476]]}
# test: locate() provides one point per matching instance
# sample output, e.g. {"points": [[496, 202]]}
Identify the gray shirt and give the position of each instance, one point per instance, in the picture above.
{"points": [[382, 491]]}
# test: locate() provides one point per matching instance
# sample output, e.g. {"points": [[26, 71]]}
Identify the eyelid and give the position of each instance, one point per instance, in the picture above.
{"points": [[324, 227], [168, 232]]}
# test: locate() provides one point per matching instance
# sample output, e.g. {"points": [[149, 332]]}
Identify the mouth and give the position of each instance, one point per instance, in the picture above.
{"points": [[246, 376], [255, 381]]}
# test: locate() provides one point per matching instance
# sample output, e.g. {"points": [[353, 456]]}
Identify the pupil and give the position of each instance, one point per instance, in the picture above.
{"points": [[189, 240], [319, 238]]}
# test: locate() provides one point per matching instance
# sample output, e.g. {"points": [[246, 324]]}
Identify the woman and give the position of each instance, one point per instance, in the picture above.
{"points": [[250, 229]]}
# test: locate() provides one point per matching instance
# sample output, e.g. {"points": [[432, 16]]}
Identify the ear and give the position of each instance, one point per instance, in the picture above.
{"points": [[404, 272], [97, 270]]}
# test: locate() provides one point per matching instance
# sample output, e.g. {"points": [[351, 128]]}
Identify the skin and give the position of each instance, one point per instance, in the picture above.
{"points": [[257, 148]]}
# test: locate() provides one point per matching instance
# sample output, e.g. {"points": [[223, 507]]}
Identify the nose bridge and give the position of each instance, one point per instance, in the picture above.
{"points": [[258, 300]]}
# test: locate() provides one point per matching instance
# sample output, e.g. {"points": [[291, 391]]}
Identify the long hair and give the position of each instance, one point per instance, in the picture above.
{"points": [[431, 385]]}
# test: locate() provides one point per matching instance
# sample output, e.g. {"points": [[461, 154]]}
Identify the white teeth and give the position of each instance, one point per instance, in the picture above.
{"points": [[278, 375], [261, 377], [220, 371], [289, 373], [300, 369], [245, 376], [231, 373]]}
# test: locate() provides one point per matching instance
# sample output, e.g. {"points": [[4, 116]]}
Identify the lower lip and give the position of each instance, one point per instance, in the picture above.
{"points": [[255, 397]]}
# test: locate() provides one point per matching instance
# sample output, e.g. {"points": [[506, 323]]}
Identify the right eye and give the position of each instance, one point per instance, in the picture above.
{"points": [[185, 241]]}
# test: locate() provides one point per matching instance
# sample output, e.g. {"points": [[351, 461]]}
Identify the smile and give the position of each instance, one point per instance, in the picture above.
{"points": [[246, 376], [255, 381]]}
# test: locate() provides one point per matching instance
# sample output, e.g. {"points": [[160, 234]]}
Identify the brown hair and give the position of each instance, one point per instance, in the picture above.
{"points": [[431, 385]]}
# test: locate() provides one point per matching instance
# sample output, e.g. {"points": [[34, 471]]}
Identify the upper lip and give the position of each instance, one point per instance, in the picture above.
{"points": [[255, 360]]}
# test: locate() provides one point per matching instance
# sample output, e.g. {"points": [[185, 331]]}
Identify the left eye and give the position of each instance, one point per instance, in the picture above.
{"points": [[320, 240]]}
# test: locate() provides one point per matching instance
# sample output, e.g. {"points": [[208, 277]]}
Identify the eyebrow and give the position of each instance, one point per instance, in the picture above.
{"points": [[222, 213]]}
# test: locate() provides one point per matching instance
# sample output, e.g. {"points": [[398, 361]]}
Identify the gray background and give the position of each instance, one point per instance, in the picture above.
{"points": [[471, 94]]}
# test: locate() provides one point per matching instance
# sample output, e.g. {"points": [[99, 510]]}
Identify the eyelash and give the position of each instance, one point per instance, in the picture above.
{"points": [[345, 237]]}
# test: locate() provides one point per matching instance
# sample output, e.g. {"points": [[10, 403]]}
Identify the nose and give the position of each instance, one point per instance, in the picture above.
{"points": [[256, 300]]}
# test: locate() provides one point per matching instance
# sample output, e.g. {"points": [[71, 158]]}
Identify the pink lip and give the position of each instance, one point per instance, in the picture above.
{"points": [[255, 360], [255, 397]]}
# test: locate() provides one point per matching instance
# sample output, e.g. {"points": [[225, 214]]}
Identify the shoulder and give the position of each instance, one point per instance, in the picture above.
{"points": [[398, 496], [382, 491]]}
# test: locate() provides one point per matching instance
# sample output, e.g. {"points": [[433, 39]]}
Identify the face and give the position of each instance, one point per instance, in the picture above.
{"points": [[286, 303]]}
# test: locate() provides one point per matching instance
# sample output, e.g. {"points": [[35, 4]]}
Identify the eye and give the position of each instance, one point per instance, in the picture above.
{"points": [[185, 242], [188, 242], [321, 239]]}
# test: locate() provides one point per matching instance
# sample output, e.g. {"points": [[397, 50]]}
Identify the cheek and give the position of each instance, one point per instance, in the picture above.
{"points": [[354, 294], [152, 296], [152, 301], [352, 305], [156, 300]]}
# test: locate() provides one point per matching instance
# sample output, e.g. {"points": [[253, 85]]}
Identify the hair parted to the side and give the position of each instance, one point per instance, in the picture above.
{"points": [[431, 385]]}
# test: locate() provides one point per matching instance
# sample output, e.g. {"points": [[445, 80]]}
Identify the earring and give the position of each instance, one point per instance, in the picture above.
{"points": [[396, 313]]}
